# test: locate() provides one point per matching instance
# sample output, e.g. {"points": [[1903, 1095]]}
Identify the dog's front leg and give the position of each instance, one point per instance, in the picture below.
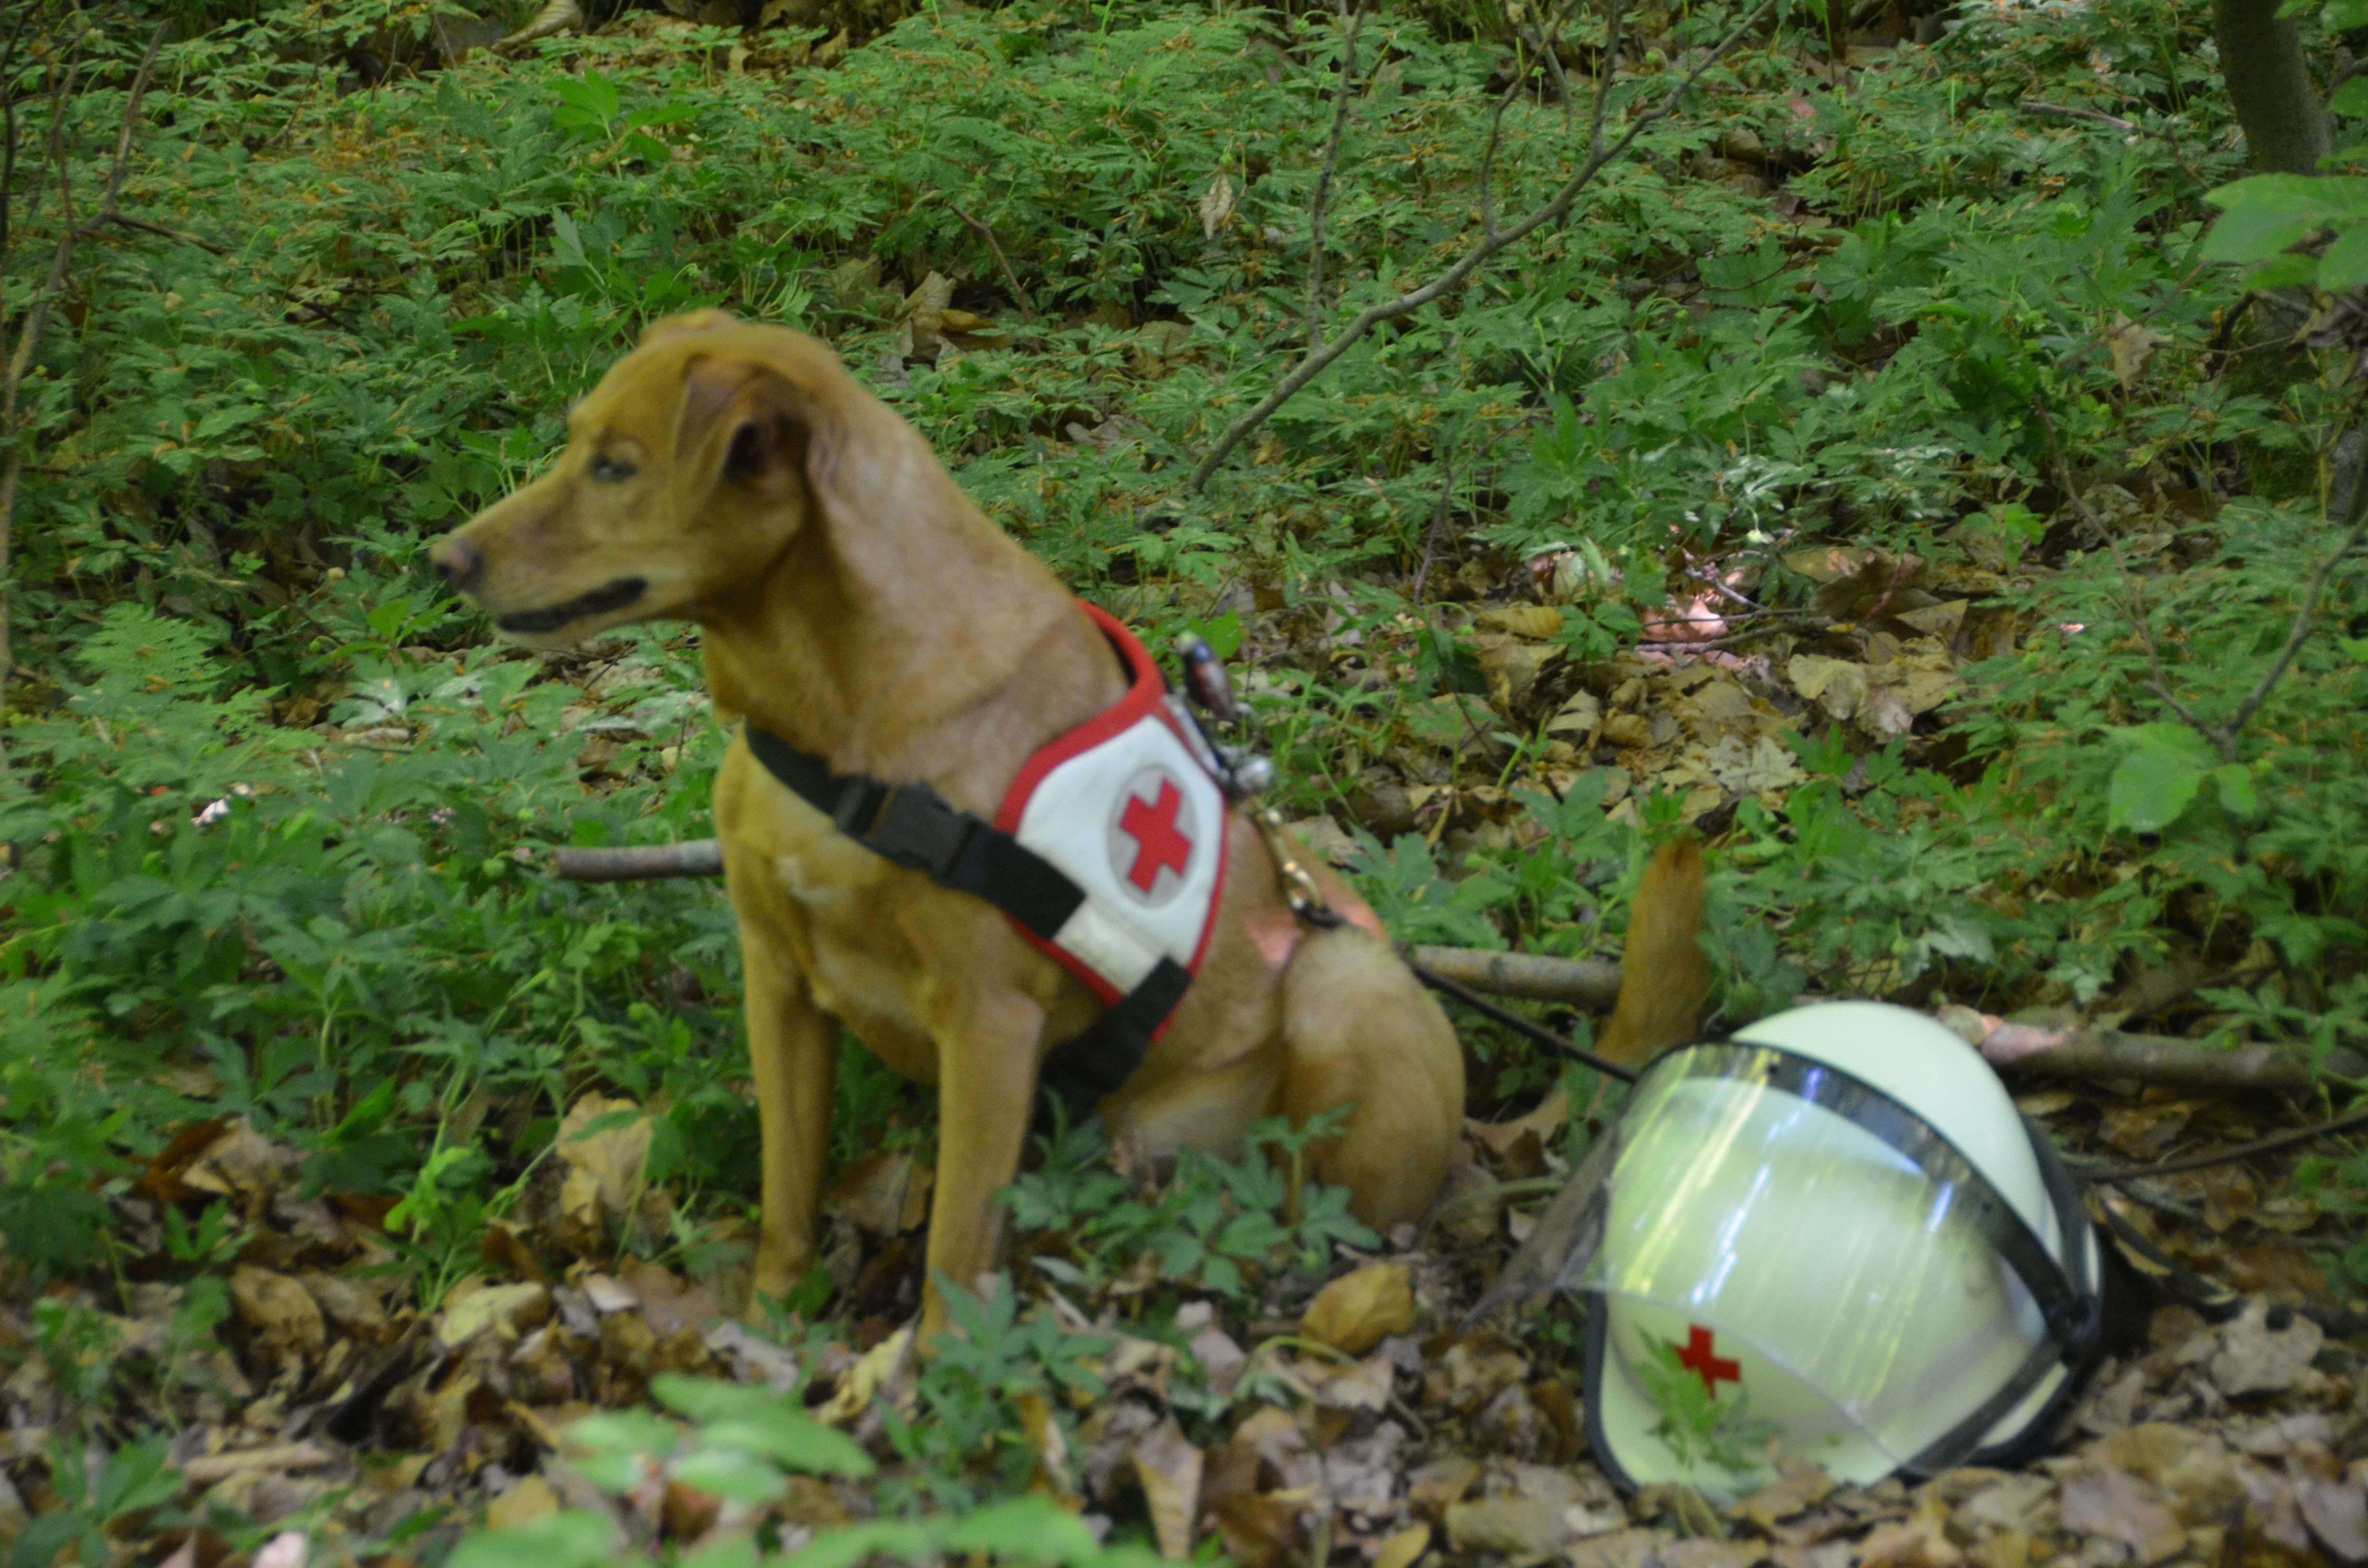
{"points": [[986, 1078], [794, 1056]]}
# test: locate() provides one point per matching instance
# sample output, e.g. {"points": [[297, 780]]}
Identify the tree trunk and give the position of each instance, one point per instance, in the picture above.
{"points": [[2260, 55]]}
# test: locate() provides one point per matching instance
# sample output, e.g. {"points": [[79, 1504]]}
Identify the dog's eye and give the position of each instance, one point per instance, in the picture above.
{"points": [[609, 470]]}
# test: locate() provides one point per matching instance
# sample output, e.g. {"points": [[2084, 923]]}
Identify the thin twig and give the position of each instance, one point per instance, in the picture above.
{"points": [[36, 315], [2160, 680], [1342, 96], [2072, 496], [1610, 65], [1548, 34], [8, 114], [1430, 535], [125, 220], [1710, 581], [1010, 279], [1488, 153], [2097, 117], [2300, 632], [1553, 211]]}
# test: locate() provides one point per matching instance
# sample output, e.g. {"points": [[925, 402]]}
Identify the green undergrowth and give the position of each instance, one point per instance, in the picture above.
{"points": [[277, 809]]}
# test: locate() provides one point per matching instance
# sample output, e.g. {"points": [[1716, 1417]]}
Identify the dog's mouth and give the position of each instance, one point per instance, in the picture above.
{"points": [[599, 601]]}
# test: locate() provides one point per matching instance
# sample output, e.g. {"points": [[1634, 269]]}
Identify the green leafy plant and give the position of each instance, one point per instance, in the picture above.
{"points": [[134, 1480], [1216, 1224], [740, 1445], [1699, 1427]]}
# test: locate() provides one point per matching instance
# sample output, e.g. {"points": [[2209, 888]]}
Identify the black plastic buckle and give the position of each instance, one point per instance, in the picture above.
{"points": [[918, 831], [859, 807]]}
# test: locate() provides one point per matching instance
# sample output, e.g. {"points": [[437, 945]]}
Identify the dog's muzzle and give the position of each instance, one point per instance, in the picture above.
{"points": [[599, 601]]}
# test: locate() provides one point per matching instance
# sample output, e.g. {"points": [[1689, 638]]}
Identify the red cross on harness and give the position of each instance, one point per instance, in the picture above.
{"points": [[1696, 1358], [1158, 845]]}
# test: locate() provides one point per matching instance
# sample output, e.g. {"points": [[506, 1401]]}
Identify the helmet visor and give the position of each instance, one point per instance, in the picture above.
{"points": [[1788, 1206]]}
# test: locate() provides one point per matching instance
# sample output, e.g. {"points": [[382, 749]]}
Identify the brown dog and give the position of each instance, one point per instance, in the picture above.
{"points": [[854, 603]]}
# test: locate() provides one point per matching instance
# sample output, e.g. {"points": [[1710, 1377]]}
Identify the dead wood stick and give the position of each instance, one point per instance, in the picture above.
{"points": [[1581, 983], [2093, 1054], [642, 863], [2015, 1049]]}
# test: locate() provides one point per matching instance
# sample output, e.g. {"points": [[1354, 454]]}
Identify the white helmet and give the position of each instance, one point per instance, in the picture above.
{"points": [[1839, 1227]]}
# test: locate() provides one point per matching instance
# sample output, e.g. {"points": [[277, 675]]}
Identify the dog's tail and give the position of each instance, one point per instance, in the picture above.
{"points": [[1664, 978]]}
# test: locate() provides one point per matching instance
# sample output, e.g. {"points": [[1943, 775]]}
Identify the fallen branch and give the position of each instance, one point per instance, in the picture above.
{"points": [[642, 863], [1580, 983], [2097, 1053], [1593, 984], [1491, 244], [2094, 117]]}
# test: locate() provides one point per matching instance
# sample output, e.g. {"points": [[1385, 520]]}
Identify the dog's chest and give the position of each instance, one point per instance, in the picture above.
{"points": [[835, 893]]}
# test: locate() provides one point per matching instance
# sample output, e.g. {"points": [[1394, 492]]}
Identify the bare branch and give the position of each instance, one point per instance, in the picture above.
{"points": [[1488, 153], [1010, 279], [2095, 117], [8, 130], [124, 220], [2300, 632], [1342, 96], [1553, 211], [1603, 84], [647, 862], [2224, 736]]}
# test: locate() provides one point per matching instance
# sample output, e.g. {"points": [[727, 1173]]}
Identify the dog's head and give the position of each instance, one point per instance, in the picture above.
{"points": [[689, 470]]}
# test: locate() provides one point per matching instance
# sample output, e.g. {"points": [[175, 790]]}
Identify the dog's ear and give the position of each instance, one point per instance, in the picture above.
{"points": [[690, 321], [752, 414], [775, 411]]}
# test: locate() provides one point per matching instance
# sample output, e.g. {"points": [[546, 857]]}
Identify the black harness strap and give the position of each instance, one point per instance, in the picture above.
{"points": [[913, 826]]}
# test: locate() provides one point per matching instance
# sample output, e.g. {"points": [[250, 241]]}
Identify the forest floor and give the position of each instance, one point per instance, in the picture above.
{"points": [[1868, 471]]}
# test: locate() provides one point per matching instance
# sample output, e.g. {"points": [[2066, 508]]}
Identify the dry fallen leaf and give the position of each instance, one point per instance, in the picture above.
{"points": [[2114, 1504], [2132, 346], [604, 1168], [474, 1307], [1169, 1471], [1524, 1526], [875, 1192], [1402, 1550], [1216, 206], [1836, 684], [1358, 1311], [529, 1500], [280, 1312], [2255, 1358], [1222, 1360], [1538, 622], [879, 1372], [556, 17], [2337, 1513]]}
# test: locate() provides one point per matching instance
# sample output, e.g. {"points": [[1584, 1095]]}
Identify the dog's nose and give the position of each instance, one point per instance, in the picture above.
{"points": [[459, 562]]}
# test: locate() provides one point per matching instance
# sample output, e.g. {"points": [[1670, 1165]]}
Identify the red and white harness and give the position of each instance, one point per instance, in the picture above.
{"points": [[1108, 854]]}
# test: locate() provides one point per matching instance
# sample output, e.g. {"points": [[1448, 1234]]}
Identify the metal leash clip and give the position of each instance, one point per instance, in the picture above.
{"points": [[1246, 774]]}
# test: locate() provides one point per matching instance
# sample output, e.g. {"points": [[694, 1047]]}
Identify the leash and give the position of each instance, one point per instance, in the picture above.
{"points": [[1245, 775]]}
